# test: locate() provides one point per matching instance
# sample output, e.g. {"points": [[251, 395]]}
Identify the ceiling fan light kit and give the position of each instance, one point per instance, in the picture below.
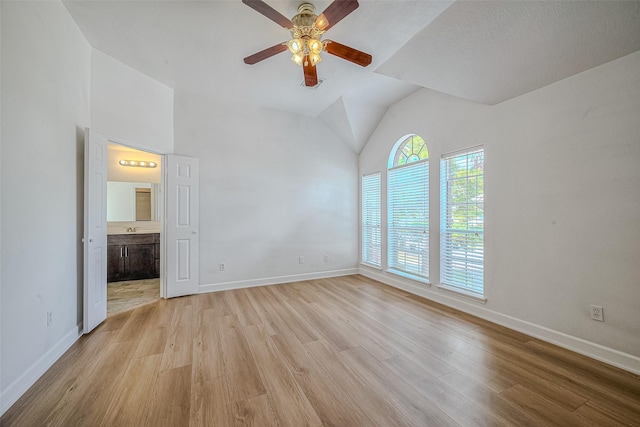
{"points": [[306, 30], [306, 43]]}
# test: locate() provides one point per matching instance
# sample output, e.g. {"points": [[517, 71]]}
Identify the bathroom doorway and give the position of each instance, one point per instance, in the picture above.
{"points": [[134, 227]]}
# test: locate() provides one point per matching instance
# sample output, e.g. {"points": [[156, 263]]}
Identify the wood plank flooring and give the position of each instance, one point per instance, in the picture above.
{"points": [[126, 295], [345, 351]]}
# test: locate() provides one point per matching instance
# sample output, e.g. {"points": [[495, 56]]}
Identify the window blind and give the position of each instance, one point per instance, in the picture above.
{"points": [[462, 221], [371, 242], [408, 206]]}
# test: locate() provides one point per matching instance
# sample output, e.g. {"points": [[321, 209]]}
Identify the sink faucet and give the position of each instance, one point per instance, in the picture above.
{"points": [[132, 229]]}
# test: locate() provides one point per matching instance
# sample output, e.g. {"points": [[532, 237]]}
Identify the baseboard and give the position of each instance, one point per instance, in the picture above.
{"points": [[16, 389], [226, 286], [610, 356]]}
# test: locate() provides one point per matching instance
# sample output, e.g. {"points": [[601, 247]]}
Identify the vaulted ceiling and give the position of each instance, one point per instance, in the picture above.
{"points": [[483, 51]]}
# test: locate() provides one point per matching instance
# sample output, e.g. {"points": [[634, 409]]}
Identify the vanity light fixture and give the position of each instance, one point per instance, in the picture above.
{"points": [[138, 163]]}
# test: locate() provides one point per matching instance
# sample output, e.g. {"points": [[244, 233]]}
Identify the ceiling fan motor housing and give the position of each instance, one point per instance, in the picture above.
{"points": [[304, 23]]}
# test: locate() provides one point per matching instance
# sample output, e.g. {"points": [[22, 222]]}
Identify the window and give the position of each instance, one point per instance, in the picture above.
{"points": [[408, 204], [462, 221], [371, 245]]}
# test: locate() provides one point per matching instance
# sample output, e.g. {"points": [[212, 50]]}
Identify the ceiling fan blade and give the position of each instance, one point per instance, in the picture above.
{"points": [[310, 73], [335, 12], [266, 10], [264, 54], [348, 53]]}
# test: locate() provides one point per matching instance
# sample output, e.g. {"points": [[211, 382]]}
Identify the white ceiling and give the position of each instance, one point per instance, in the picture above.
{"points": [[489, 52], [484, 51]]}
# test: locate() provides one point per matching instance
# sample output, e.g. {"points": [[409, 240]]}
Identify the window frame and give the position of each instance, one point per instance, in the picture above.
{"points": [[401, 204], [468, 279], [371, 219]]}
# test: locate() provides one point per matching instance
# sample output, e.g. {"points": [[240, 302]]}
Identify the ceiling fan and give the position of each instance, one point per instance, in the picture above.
{"points": [[307, 30]]}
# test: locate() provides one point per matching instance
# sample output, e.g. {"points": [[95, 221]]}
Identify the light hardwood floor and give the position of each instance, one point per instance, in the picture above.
{"points": [[335, 352]]}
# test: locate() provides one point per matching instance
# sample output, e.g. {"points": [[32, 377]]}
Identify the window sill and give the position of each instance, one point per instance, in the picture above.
{"points": [[375, 267], [415, 278], [461, 293]]}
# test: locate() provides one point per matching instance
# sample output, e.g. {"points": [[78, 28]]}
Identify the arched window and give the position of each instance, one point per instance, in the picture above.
{"points": [[408, 204]]}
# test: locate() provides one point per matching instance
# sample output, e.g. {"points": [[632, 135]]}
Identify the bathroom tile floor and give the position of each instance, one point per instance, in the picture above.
{"points": [[122, 296]]}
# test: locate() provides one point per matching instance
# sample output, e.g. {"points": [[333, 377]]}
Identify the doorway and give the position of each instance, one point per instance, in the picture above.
{"points": [[177, 208], [134, 227]]}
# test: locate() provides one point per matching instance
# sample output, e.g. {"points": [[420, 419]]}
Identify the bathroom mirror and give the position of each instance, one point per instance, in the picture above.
{"points": [[132, 201]]}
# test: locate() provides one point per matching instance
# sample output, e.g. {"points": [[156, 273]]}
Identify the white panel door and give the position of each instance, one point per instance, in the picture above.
{"points": [[95, 230], [182, 223]]}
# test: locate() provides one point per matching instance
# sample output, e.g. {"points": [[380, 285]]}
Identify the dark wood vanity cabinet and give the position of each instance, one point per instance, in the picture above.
{"points": [[133, 256]]}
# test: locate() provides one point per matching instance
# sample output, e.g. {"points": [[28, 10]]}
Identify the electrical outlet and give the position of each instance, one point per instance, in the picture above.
{"points": [[301, 260], [597, 313], [223, 266], [326, 258], [49, 318]]}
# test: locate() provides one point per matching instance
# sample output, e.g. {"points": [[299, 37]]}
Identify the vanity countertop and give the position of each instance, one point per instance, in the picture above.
{"points": [[114, 232], [133, 227]]}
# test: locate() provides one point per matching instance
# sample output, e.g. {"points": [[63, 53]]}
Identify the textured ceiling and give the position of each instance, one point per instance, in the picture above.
{"points": [[484, 51]]}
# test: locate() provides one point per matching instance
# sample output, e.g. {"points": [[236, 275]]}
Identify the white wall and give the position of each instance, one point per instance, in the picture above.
{"points": [[273, 186], [130, 106], [45, 104], [562, 204], [2, 399]]}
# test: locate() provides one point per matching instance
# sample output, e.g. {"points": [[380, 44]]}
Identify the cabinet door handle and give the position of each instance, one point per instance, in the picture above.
{"points": [[126, 251], [121, 251]]}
